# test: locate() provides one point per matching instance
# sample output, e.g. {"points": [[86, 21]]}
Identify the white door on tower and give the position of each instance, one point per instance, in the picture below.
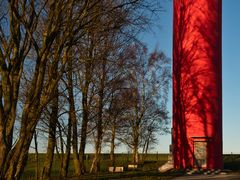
{"points": [[200, 154]]}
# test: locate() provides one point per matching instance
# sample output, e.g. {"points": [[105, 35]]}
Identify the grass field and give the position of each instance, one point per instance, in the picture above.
{"points": [[232, 162], [148, 169]]}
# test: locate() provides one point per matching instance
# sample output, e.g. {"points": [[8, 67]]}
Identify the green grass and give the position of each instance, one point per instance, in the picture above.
{"points": [[232, 162], [148, 168], [152, 162]]}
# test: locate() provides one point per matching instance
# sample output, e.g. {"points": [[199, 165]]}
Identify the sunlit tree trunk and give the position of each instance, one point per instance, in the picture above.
{"points": [[135, 144], [73, 119], [85, 111], [95, 167], [112, 146], [66, 156], [17, 158], [46, 172], [98, 146], [36, 157], [83, 132]]}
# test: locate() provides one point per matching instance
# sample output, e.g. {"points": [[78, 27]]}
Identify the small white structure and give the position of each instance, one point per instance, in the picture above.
{"points": [[132, 166], [111, 169], [116, 169], [167, 166]]}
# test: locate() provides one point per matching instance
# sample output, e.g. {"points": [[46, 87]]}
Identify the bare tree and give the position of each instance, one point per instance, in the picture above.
{"points": [[73, 119], [37, 39], [116, 121], [32, 26], [51, 138], [149, 76]]}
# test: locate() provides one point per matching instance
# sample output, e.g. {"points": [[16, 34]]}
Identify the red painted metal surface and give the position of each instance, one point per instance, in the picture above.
{"points": [[197, 82]]}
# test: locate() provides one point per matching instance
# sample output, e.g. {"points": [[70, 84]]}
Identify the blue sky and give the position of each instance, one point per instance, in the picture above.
{"points": [[162, 38]]}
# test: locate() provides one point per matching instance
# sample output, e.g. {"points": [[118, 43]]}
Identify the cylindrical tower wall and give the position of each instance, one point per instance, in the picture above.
{"points": [[197, 83]]}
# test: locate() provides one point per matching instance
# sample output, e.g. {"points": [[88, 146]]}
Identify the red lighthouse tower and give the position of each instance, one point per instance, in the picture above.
{"points": [[197, 84]]}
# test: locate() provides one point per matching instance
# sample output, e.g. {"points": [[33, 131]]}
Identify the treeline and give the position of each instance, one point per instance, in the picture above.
{"points": [[76, 72]]}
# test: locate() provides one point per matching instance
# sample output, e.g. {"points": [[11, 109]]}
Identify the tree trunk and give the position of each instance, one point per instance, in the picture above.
{"points": [[112, 156], [83, 133], [83, 145], [46, 172], [17, 158], [60, 155], [2, 151], [135, 145], [135, 155], [95, 167], [146, 150], [66, 156], [9, 86], [36, 157], [98, 146], [73, 119]]}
